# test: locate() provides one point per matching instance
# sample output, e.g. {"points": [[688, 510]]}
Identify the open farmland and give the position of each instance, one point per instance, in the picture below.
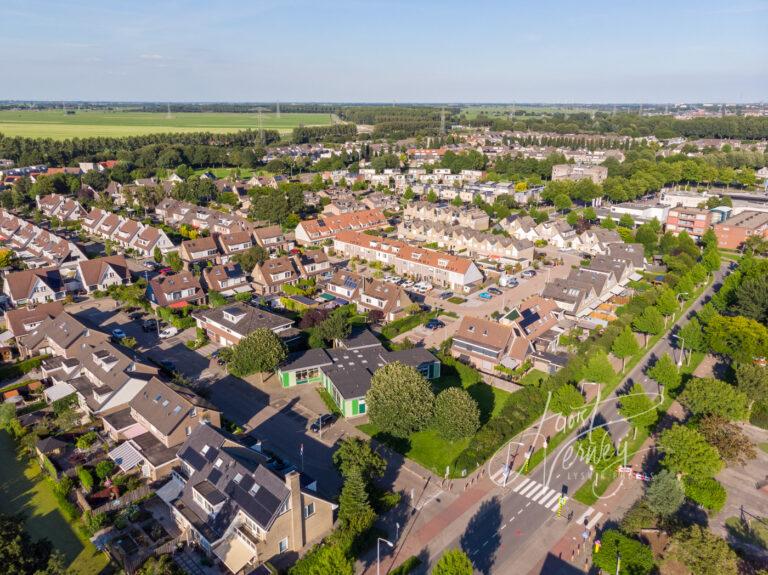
{"points": [[87, 123]]}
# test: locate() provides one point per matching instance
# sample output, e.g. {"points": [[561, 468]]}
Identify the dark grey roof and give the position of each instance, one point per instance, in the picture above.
{"points": [[120, 419], [305, 359], [414, 357], [350, 383], [250, 318], [360, 337], [233, 476], [154, 451]]}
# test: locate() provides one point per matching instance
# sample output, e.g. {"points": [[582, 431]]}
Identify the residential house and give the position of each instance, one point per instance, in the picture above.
{"points": [[313, 232], [154, 424], [270, 276], [24, 320], [101, 273], [227, 279], [345, 371], [389, 299], [104, 378], [60, 207], [481, 342], [200, 250], [558, 233], [34, 286], [229, 324], [150, 238], [571, 296], [457, 273], [225, 499], [520, 227], [272, 239], [472, 218], [634, 253], [595, 241], [314, 264], [126, 232], [231, 244], [175, 291]]}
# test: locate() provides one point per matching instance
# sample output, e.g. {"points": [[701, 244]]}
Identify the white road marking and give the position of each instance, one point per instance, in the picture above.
{"points": [[511, 519], [528, 487], [551, 500], [503, 527], [519, 486], [594, 520], [540, 500], [587, 513], [553, 505], [527, 504], [558, 476], [519, 512], [536, 492]]}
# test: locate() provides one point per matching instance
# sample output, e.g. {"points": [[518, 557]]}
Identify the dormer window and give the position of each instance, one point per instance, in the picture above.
{"points": [[219, 462], [205, 449], [238, 478]]}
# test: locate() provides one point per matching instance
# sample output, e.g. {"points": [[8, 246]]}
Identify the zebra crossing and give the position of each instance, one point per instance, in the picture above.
{"points": [[538, 493]]}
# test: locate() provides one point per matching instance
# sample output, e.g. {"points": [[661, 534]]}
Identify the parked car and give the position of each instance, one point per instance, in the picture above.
{"points": [[136, 315], [485, 295], [166, 271], [446, 295], [528, 273], [118, 334], [324, 421], [434, 324], [149, 264], [149, 325], [494, 291], [169, 331]]}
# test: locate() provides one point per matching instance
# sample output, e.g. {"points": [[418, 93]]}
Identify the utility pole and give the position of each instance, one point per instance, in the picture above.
{"points": [[277, 110]]}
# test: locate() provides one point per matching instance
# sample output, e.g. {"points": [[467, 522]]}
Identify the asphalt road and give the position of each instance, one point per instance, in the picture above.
{"points": [[521, 525]]}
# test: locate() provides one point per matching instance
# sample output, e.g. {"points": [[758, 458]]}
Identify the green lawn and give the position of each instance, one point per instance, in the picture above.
{"points": [[92, 123], [23, 490], [533, 377], [426, 447]]}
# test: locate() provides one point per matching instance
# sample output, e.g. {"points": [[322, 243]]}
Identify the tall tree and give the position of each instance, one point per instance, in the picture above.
{"points": [[665, 372], [261, 350], [703, 552], [714, 397], [752, 380], [355, 455], [752, 299], [650, 322], [355, 511], [636, 558], [453, 562], [667, 303], [400, 400], [692, 335], [598, 368], [664, 493], [456, 414], [739, 337], [687, 451], [729, 440], [638, 408], [625, 345]]}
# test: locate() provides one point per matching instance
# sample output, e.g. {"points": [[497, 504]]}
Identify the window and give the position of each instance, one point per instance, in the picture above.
{"points": [[306, 374], [283, 545], [309, 510], [189, 430], [219, 462]]}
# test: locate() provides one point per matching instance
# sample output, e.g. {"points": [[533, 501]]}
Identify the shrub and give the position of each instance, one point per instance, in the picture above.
{"points": [[104, 468], [636, 558], [85, 478], [86, 440], [566, 399], [706, 491]]}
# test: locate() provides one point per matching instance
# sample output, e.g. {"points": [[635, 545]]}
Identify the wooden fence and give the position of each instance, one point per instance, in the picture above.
{"points": [[125, 500]]}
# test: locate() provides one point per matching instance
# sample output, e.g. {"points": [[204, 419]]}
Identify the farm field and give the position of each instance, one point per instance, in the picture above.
{"points": [[90, 123]]}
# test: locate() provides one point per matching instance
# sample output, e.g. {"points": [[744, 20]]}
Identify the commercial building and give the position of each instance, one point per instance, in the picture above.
{"points": [[694, 221], [733, 232]]}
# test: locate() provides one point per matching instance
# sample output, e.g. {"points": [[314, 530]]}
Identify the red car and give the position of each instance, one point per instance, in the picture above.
{"points": [[295, 251], [166, 271]]}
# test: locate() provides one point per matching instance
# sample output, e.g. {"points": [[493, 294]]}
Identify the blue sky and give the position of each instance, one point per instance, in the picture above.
{"points": [[385, 50]]}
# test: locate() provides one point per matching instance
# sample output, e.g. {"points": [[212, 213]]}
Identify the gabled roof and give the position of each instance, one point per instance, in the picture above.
{"points": [[242, 319], [21, 283], [484, 332], [165, 405], [92, 271], [17, 319]]}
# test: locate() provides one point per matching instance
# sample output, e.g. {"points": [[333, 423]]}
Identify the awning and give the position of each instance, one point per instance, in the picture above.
{"points": [[234, 553], [171, 490], [636, 277], [126, 456], [58, 391], [179, 304]]}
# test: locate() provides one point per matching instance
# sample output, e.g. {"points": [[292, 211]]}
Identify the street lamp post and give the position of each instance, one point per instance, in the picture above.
{"points": [[682, 349], [378, 556], [680, 298]]}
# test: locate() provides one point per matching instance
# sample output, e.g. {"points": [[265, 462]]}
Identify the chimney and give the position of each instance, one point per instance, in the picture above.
{"points": [[299, 537]]}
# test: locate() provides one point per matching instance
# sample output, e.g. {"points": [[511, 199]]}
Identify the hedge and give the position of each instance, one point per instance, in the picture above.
{"points": [[706, 491], [406, 566], [20, 368], [521, 409]]}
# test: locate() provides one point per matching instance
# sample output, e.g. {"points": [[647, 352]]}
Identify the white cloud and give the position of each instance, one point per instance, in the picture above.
{"points": [[151, 57]]}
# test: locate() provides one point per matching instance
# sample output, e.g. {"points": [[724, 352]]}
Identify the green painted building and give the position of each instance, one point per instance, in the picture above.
{"points": [[345, 371]]}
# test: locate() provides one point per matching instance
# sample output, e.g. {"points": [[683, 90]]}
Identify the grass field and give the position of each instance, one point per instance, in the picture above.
{"points": [[55, 124], [23, 490]]}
